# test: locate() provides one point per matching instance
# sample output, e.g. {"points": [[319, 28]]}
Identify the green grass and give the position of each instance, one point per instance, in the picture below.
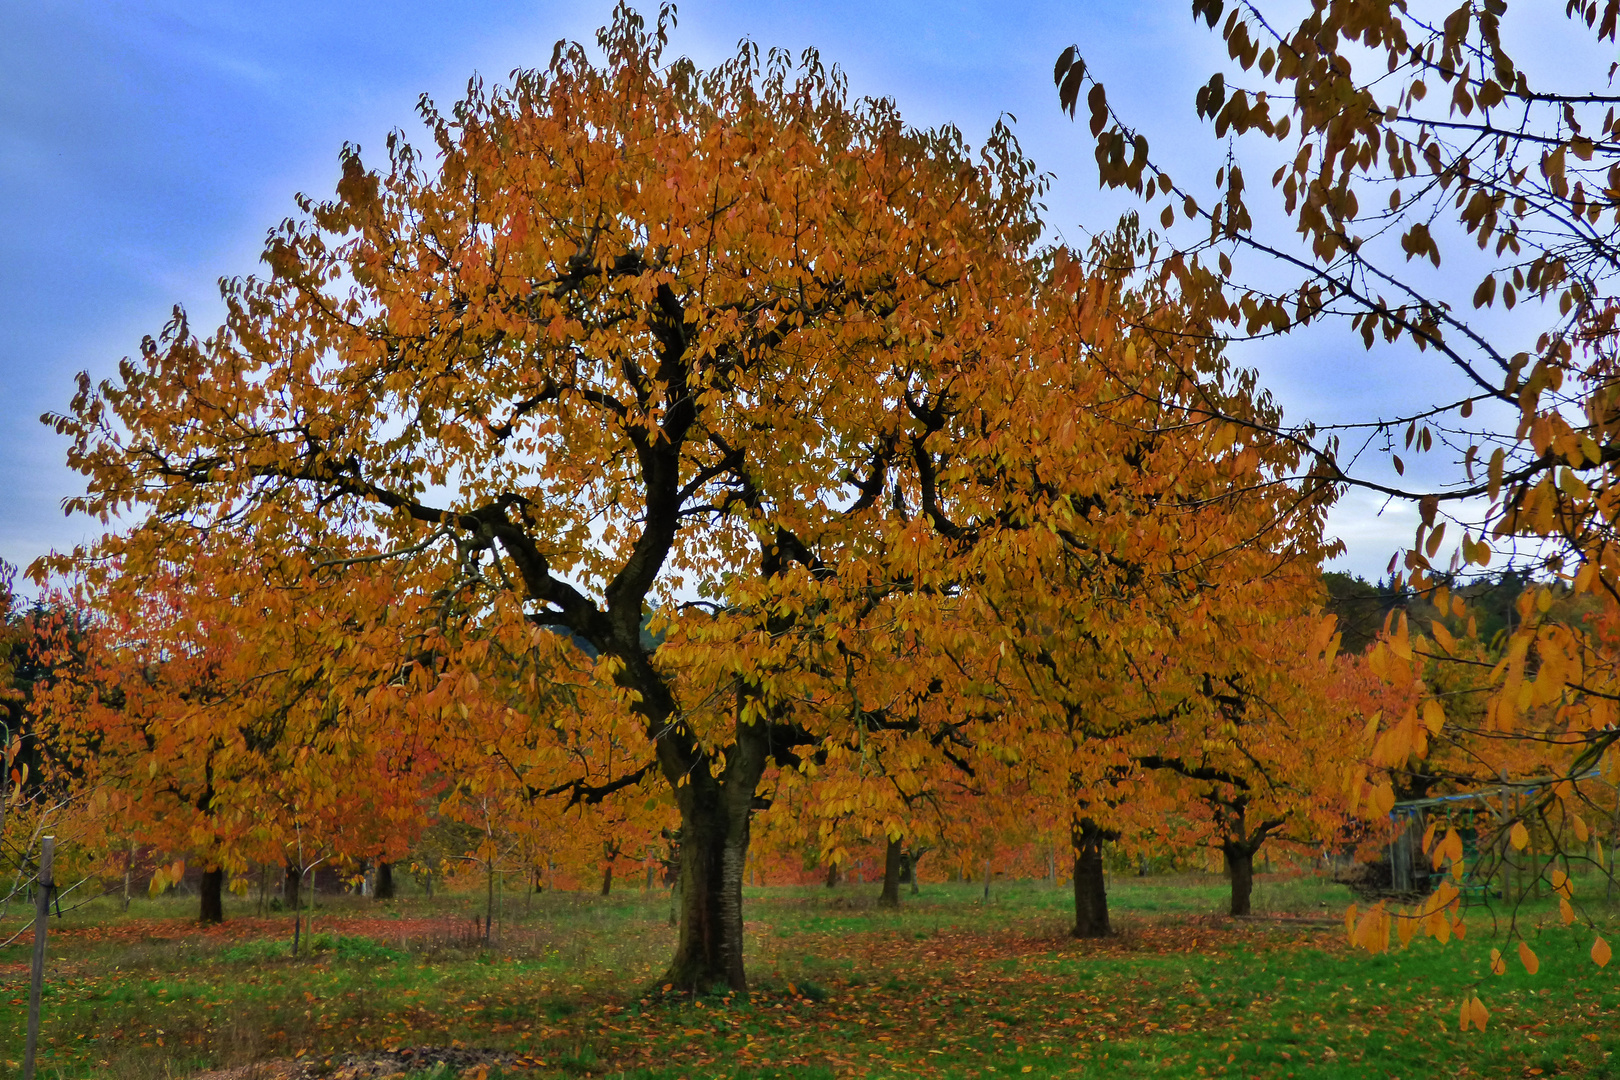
{"points": [[948, 986]]}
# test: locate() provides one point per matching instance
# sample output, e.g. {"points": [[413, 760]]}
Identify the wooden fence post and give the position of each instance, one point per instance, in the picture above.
{"points": [[42, 911]]}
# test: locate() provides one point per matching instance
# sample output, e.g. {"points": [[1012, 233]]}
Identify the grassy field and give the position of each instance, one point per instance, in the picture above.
{"points": [[949, 987]]}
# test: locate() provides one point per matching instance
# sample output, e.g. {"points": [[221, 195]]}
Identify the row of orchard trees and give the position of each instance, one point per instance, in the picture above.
{"points": [[676, 444], [221, 746]]}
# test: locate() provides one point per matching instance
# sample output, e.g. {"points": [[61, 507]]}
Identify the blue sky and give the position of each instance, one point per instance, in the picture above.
{"points": [[145, 149]]}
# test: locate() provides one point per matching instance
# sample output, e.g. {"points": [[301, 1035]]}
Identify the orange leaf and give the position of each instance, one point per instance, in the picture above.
{"points": [[1528, 959], [1600, 953]]}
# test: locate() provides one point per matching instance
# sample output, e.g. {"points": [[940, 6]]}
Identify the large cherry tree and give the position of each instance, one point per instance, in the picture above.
{"points": [[634, 331]]}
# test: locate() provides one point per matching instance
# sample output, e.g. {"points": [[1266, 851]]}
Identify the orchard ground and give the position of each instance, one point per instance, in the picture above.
{"points": [[947, 987]]}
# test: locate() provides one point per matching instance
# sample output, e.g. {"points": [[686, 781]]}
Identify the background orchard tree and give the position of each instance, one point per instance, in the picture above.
{"points": [[206, 714], [1263, 757], [1199, 532], [13, 640]]}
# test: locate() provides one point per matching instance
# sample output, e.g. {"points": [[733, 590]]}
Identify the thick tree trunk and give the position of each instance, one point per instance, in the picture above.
{"points": [[832, 874], [1240, 866], [607, 878], [383, 888], [890, 896], [212, 890], [714, 849], [290, 881], [714, 858], [1090, 887]]}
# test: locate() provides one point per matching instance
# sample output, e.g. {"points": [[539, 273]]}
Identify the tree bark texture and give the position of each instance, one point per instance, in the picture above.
{"points": [[1090, 887], [211, 889], [892, 860]]}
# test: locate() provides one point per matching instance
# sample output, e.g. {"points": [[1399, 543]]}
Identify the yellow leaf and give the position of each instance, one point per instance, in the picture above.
{"points": [[1528, 959], [1519, 835], [1381, 799], [1401, 642], [1372, 726], [1600, 953], [1480, 1015], [1498, 965], [1434, 717]]}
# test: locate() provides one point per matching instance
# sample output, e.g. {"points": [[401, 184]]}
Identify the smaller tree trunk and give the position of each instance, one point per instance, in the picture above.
{"points": [[891, 875], [1090, 886], [607, 878], [290, 881], [489, 905], [384, 887], [1240, 867], [212, 889]]}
